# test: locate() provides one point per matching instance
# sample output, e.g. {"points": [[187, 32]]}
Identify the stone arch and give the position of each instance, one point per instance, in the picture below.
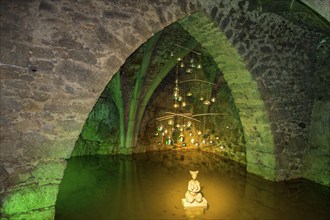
{"points": [[57, 58], [55, 61], [244, 89]]}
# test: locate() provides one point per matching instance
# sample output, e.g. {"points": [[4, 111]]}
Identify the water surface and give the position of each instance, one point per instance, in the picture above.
{"points": [[151, 186]]}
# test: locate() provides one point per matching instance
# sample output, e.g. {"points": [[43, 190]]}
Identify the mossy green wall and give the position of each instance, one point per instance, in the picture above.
{"points": [[101, 133], [317, 161]]}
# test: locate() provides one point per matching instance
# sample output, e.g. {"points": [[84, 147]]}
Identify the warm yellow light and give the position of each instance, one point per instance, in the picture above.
{"points": [[207, 102]]}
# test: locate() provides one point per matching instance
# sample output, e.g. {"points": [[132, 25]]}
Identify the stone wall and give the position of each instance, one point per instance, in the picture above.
{"points": [[280, 57], [57, 56], [100, 134], [317, 161]]}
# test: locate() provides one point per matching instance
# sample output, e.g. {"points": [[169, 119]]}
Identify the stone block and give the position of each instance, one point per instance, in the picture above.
{"points": [[37, 145], [29, 198], [14, 54], [27, 125], [41, 52], [261, 170], [83, 56], [233, 76], [317, 167], [42, 65], [45, 213], [49, 169]]}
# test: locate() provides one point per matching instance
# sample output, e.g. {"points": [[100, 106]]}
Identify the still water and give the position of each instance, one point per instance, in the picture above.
{"points": [[151, 186]]}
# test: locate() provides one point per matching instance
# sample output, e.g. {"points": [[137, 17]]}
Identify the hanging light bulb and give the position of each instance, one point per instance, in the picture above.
{"points": [[176, 105], [179, 59], [170, 122], [177, 125], [217, 137], [196, 144], [201, 98], [199, 66], [189, 123], [188, 70], [156, 134], [182, 65], [172, 54], [180, 98], [159, 143], [181, 129], [192, 140], [204, 141], [181, 138], [166, 131], [184, 144], [184, 104], [191, 60], [160, 128], [213, 99], [190, 134], [169, 141], [199, 132], [207, 102], [175, 94], [189, 94]]}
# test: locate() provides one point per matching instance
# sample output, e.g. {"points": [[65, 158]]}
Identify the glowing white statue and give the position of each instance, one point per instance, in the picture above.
{"points": [[193, 197], [193, 193]]}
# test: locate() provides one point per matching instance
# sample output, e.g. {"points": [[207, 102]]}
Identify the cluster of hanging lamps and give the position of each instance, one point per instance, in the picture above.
{"points": [[179, 101]]}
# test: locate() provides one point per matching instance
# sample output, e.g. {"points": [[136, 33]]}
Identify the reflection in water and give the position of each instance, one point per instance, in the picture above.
{"points": [[151, 186]]}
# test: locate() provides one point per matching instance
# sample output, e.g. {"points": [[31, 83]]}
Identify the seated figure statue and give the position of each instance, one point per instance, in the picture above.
{"points": [[193, 192]]}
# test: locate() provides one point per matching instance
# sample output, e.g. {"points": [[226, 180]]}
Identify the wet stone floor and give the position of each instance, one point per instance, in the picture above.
{"points": [[151, 186]]}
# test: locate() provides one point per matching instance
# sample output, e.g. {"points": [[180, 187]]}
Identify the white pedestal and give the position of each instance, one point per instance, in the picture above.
{"points": [[187, 205]]}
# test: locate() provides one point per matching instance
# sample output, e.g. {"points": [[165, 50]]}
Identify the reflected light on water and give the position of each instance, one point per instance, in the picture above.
{"points": [[151, 186]]}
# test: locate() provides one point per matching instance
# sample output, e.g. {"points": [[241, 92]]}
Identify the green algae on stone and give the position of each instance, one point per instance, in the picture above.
{"points": [[30, 198]]}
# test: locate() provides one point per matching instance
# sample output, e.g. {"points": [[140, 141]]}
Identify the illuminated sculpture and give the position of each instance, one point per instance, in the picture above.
{"points": [[193, 197]]}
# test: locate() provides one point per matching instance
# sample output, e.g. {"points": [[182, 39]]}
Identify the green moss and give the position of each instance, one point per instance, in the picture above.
{"points": [[102, 123], [30, 198], [47, 214], [101, 128]]}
